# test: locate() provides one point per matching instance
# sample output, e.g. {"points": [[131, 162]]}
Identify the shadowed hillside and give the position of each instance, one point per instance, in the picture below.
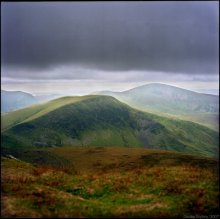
{"points": [[103, 121]]}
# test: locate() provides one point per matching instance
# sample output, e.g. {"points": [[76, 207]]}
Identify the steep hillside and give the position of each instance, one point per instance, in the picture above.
{"points": [[173, 102], [33, 112], [13, 100], [104, 121]]}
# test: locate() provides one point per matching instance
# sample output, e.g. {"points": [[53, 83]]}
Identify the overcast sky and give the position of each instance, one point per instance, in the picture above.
{"points": [[81, 47]]}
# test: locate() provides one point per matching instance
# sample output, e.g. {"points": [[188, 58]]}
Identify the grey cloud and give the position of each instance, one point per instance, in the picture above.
{"points": [[171, 37]]}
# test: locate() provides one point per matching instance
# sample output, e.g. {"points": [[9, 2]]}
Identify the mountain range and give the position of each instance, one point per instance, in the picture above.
{"points": [[173, 102], [161, 99], [14, 100], [95, 120]]}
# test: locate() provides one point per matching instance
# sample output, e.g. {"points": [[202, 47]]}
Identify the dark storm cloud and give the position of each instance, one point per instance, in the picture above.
{"points": [[156, 36]]}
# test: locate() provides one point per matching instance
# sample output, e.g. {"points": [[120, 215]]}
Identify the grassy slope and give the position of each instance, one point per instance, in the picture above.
{"points": [[35, 111], [68, 122], [173, 102], [206, 119], [111, 182], [98, 121]]}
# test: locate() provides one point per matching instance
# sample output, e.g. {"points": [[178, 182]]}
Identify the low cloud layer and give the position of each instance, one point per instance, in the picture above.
{"points": [[92, 40]]}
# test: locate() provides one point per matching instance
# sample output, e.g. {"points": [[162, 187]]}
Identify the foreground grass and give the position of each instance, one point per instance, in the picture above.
{"points": [[111, 182]]}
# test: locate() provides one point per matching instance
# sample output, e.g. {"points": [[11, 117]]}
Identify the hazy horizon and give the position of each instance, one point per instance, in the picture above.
{"points": [[203, 91], [82, 47]]}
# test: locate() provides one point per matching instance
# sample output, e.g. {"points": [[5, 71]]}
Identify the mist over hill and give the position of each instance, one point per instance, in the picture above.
{"points": [[13, 100]]}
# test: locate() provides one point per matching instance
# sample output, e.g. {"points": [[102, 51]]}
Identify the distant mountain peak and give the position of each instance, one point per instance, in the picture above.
{"points": [[172, 101]]}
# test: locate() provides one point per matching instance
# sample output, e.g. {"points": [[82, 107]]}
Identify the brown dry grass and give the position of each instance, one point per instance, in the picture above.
{"points": [[121, 184]]}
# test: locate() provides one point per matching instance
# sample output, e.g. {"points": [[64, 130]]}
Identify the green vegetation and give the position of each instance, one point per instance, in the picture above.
{"points": [[172, 102], [109, 182], [102, 121], [206, 119], [35, 111]]}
